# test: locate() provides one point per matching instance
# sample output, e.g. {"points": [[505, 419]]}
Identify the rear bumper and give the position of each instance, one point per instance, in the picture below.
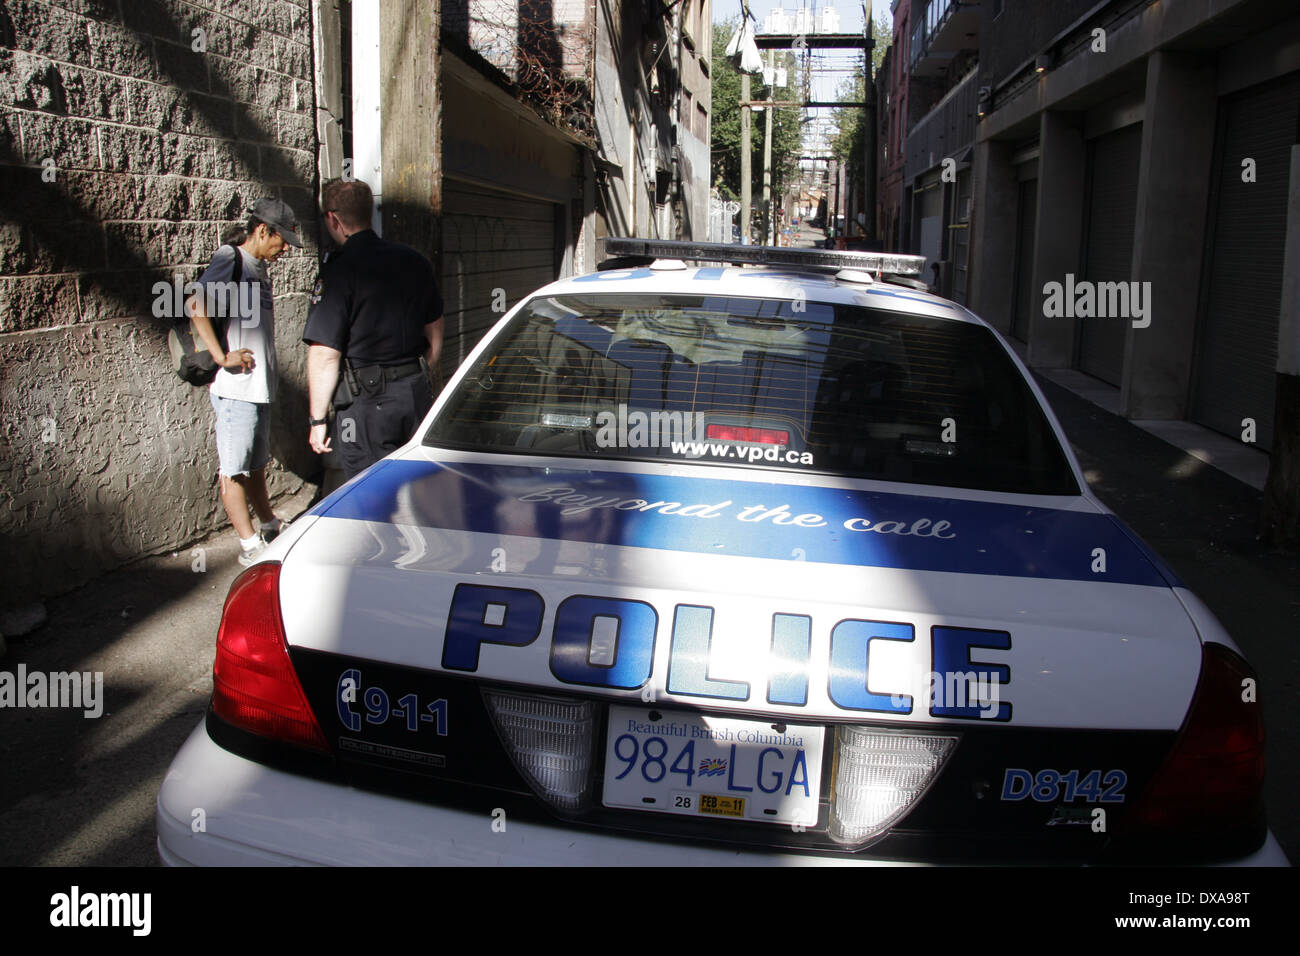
{"points": [[219, 809], [256, 815]]}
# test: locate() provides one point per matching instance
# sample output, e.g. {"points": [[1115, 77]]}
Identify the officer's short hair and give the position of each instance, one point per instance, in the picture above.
{"points": [[350, 200]]}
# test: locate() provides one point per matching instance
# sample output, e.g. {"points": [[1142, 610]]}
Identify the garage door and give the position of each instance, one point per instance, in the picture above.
{"points": [[929, 220], [1026, 217], [497, 248], [1108, 252], [1237, 342], [959, 235]]}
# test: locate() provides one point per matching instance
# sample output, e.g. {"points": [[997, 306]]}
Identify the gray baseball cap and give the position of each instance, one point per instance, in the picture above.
{"points": [[277, 214]]}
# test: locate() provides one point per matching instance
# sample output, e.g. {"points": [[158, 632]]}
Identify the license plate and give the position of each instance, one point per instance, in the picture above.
{"points": [[713, 767]]}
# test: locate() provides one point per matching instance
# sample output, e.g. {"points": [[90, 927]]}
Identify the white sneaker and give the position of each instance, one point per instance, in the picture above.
{"points": [[271, 530], [248, 556]]}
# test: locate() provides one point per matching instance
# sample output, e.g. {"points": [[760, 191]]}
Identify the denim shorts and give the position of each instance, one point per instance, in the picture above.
{"points": [[243, 435]]}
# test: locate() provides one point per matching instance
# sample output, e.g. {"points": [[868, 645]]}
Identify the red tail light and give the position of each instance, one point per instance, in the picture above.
{"points": [[1214, 777], [254, 686], [763, 436]]}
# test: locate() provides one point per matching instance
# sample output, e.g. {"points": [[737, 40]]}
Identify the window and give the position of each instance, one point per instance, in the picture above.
{"points": [[842, 389]]}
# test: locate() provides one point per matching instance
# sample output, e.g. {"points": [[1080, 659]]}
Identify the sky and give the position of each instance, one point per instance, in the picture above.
{"points": [[850, 10]]}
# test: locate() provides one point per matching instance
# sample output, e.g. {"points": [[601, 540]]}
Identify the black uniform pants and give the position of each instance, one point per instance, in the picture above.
{"points": [[373, 426]]}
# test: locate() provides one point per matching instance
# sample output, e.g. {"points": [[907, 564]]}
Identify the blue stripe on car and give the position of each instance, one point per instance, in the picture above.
{"points": [[986, 537]]}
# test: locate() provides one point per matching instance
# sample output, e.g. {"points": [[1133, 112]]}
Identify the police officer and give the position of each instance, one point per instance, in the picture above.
{"points": [[375, 315]]}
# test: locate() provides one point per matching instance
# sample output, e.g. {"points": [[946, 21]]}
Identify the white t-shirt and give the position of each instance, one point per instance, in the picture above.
{"points": [[251, 325]]}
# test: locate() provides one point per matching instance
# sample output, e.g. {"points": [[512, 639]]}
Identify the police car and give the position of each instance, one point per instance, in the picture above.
{"points": [[726, 554]]}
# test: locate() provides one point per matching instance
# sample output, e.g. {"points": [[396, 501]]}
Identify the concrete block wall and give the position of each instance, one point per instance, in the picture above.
{"points": [[129, 143]]}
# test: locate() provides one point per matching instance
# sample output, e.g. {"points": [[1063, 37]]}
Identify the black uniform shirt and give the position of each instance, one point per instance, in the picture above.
{"points": [[372, 300]]}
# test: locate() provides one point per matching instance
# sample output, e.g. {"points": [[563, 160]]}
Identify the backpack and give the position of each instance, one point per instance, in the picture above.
{"points": [[191, 360]]}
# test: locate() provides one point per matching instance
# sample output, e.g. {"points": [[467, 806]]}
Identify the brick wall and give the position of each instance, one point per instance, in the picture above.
{"points": [[125, 152]]}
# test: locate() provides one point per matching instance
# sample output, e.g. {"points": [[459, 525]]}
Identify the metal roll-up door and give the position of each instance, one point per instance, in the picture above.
{"points": [[492, 240], [1236, 358], [959, 234], [1113, 165], [929, 218], [1026, 218]]}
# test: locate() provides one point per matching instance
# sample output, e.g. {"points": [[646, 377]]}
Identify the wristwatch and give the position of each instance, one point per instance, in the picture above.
{"points": [[318, 421]]}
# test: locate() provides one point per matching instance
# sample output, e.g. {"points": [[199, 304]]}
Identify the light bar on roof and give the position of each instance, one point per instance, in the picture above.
{"points": [[764, 255]]}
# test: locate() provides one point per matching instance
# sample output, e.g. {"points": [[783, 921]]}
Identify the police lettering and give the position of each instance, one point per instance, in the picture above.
{"points": [[609, 643]]}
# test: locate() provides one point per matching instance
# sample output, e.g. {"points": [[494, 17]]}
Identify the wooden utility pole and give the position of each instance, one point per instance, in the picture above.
{"points": [[835, 213], [745, 189], [767, 161], [869, 137], [412, 124]]}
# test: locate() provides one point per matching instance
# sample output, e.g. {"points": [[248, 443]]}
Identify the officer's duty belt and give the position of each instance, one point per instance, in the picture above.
{"points": [[390, 372]]}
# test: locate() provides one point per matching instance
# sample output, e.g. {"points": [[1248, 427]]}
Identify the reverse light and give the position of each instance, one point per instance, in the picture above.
{"points": [[254, 686], [763, 436], [879, 777], [550, 741], [1214, 776]]}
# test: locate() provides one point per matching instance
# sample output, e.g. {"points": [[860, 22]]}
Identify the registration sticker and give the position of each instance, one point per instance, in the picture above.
{"points": [[678, 762], [722, 806]]}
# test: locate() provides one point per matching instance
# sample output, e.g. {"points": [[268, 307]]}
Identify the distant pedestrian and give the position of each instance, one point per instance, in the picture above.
{"points": [[374, 329], [244, 388]]}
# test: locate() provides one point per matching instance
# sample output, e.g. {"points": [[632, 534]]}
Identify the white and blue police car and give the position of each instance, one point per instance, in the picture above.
{"points": [[774, 557]]}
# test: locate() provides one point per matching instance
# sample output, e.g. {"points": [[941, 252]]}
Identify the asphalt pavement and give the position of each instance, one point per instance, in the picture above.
{"points": [[1203, 523], [78, 790]]}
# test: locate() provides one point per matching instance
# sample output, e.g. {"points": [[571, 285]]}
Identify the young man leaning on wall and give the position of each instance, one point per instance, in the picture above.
{"points": [[247, 375]]}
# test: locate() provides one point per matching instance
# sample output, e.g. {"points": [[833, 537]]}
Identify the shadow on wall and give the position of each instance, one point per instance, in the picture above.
{"points": [[104, 454]]}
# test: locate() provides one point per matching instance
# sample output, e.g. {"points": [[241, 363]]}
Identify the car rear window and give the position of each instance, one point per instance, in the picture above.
{"points": [[800, 386]]}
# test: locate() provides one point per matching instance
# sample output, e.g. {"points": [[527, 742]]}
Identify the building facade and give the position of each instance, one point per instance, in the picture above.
{"points": [[561, 123], [1132, 175], [131, 137], [890, 136], [653, 103], [939, 72]]}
